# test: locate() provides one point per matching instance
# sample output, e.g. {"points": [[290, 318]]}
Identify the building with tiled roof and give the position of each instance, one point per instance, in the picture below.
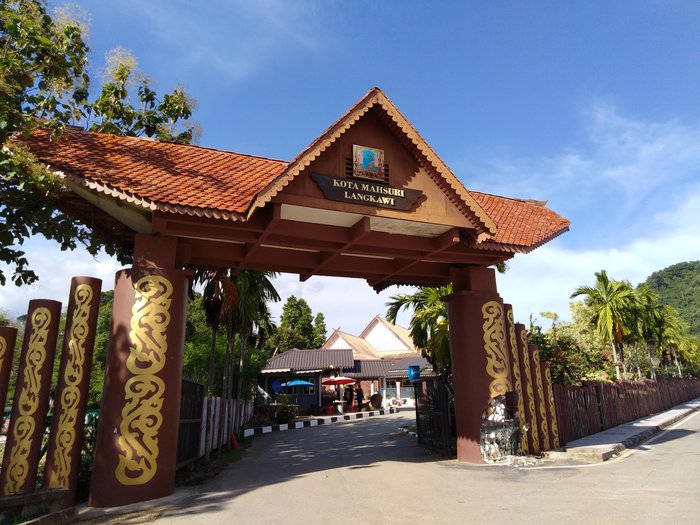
{"points": [[378, 358], [410, 223]]}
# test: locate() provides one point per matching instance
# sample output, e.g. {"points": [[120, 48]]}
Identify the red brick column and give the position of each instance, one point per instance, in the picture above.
{"points": [[8, 338], [31, 401], [540, 409], [480, 365], [516, 373], [139, 418], [70, 404], [533, 434]]}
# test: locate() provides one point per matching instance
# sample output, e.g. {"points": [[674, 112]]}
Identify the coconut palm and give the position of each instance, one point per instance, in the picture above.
{"points": [[611, 302], [251, 313], [675, 338], [429, 325], [651, 321]]}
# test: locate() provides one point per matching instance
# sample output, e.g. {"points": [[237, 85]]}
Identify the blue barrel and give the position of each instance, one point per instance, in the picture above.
{"points": [[413, 372]]}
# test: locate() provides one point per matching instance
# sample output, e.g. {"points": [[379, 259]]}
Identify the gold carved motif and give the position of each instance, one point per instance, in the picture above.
{"points": [[64, 441], [495, 346], [3, 351], [530, 392], [540, 391], [23, 432], [144, 391], [516, 377], [552, 408]]}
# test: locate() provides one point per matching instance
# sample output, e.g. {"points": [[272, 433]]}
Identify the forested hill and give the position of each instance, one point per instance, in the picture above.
{"points": [[679, 286]]}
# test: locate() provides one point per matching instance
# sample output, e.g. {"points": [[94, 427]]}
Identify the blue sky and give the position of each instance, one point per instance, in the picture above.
{"points": [[593, 106]]}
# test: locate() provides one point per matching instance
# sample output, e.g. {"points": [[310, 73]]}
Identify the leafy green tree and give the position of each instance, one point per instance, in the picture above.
{"points": [[198, 345], [320, 331], [611, 302], [114, 112], [4, 319], [572, 350], [44, 84], [679, 286], [429, 326], [298, 327]]}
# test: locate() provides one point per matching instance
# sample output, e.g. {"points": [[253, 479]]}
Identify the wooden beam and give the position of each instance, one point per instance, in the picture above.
{"points": [[253, 248], [358, 232]]}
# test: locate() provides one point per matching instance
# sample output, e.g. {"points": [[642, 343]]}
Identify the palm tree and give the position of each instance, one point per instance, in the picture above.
{"points": [[611, 301], [675, 338], [652, 318], [218, 296], [255, 291], [429, 325]]}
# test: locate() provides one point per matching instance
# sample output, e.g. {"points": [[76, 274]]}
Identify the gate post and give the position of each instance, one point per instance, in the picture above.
{"points": [[480, 365], [8, 338], [70, 403], [516, 371], [137, 433], [31, 401]]}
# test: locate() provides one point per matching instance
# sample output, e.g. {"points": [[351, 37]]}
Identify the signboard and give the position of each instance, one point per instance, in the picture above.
{"points": [[366, 192]]}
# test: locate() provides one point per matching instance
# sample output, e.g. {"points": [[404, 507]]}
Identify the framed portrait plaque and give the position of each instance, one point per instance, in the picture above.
{"points": [[368, 163]]}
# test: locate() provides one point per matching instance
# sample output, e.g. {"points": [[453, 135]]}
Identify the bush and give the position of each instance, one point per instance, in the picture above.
{"points": [[266, 415]]}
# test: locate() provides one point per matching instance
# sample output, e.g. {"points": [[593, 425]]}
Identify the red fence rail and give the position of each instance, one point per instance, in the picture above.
{"points": [[595, 406]]}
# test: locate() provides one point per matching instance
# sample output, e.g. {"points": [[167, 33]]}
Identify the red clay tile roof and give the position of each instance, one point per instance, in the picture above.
{"points": [[522, 225], [200, 181], [159, 175]]}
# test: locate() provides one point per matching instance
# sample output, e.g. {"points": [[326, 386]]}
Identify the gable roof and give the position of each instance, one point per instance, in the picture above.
{"points": [[402, 333], [205, 182], [360, 347], [434, 165]]}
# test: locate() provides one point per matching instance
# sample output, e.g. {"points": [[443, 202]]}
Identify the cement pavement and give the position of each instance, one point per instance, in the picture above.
{"points": [[610, 443], [369, 471]]}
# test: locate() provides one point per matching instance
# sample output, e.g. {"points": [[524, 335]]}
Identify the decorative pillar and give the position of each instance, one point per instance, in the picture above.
{"points": [[70, 403], [8, 338], [515, 370], [539, 397], [31, 401], [549, 404], [533, 434], [139, 417], [480, 368]]}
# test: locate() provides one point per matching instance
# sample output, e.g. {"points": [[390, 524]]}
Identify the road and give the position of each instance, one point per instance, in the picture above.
{"points": [[370, 472]]}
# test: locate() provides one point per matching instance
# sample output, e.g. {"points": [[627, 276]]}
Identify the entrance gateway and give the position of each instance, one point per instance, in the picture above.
{"points": [[369, 198]]}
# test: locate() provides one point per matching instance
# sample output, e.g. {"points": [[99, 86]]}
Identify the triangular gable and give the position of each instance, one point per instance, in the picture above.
{"points": [[341, 340], [434, 166], [387, 337]]}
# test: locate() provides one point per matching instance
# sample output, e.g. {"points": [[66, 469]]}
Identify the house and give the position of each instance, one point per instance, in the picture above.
{"points": [[378, 359]]}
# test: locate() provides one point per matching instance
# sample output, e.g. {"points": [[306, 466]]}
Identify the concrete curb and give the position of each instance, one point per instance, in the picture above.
{"points": [[609, 443], [250, 432]]}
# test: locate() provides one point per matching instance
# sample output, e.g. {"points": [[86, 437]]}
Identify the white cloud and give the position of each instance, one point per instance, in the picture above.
{"points": [[235, 39], [348, 304], [545, 279], [626, 170], [55, 270]]}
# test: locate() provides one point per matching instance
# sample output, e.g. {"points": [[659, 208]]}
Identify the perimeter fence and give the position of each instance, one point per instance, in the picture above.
{"points": [[596, 406]]}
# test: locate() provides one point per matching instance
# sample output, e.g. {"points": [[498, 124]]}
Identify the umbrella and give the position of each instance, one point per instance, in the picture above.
{"points": [[297, 382], [340, 380]]}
